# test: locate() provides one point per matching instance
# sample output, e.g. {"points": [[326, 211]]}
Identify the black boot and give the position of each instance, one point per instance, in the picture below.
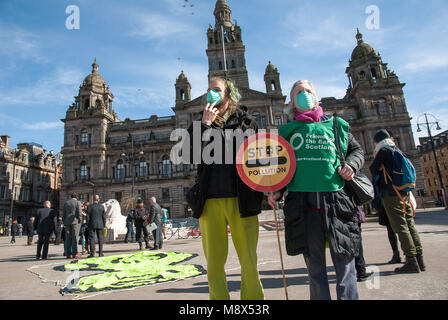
{"points": [[410, 266], [140, 246], [395, 258], [421, 263]]}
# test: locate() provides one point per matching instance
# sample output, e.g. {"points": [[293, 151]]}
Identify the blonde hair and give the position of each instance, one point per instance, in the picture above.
{"points": [[290, 110], [231, 90]]}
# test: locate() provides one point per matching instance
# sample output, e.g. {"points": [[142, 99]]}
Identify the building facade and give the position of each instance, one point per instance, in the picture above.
{"points": [[116, 159], [28, 176], [432, 182]]}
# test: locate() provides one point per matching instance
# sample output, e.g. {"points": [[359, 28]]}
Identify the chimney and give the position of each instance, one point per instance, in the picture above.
{"points": [[5, 140]]}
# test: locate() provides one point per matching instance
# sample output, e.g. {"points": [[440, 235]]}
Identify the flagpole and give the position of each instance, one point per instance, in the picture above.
{"points": [[224, 48]]}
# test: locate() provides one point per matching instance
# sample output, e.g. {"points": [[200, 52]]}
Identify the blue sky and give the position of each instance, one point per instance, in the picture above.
{"points": [[141, 47]]}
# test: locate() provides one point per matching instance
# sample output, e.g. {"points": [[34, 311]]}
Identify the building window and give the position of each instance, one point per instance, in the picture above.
{"points": [[3, 192], [23, 157], [142, 194], [429, 182], [120, 169], [278, 121], [220, 65], [166, 165], [84, 137], [257, 117], [118, 196], [263, 122], [4, 172], [186, 168], [143, 168], [186, 190], [165, 193], [84, 171], [22, 175], [382, 107], [424, 158], [233, 64], [435, 181], [84, 197]]}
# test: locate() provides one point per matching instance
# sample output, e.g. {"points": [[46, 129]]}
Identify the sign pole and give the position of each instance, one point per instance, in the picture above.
{"points": [[280, 251]]}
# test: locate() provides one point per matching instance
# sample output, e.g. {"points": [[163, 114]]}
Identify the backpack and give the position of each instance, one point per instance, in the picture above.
{"points": [[403, 176]]}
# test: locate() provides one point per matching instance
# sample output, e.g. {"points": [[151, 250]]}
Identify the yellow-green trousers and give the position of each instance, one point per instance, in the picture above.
{"points": [[216, 216]]}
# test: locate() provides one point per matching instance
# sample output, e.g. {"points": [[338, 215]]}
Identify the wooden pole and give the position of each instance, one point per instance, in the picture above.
{"points": [[281, 254]]}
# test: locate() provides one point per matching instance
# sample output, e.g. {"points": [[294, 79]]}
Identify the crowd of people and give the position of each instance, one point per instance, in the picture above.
{"points": [[81, 226]]}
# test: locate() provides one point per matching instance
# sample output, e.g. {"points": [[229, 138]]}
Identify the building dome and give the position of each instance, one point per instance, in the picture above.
{"points": [[363, 49], [271, 68], [94, 79]]}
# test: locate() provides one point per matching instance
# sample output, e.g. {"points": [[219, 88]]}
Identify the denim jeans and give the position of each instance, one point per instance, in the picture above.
{"points": [[346, 281]]}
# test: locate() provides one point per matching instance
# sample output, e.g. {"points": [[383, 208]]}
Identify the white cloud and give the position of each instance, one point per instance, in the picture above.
{"points": [[42, 126]]}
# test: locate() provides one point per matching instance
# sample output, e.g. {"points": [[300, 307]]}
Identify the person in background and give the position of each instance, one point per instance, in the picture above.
{"points": [[7, 228], [83, 232], [397, 204], [58, 231], [30, 230], [96, 222], [164, 221], [141, 221], [360, 263], [155, 216], [46, 224], [72, 216], [20, 229], [130, 227], [14, 230]]}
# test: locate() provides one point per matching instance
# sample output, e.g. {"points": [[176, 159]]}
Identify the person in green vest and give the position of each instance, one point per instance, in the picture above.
{"points": [[318, 208]]}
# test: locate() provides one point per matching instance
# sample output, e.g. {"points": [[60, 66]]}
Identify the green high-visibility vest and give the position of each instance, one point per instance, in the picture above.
{"points": [[316, 154]]}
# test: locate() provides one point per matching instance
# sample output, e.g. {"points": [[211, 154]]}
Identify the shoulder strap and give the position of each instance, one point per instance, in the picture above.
{"points": [[336, 137]]}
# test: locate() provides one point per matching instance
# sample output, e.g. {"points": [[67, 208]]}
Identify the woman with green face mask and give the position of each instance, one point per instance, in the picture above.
{"points": [[318, 208], [228, 201]]}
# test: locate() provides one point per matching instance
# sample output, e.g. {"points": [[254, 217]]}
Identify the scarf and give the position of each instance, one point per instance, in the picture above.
{"points": [[310, 116], [386, 142]]}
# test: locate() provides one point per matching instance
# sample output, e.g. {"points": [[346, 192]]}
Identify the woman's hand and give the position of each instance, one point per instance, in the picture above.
{"points": [[347, 173], [210, 114], [273, 197]]}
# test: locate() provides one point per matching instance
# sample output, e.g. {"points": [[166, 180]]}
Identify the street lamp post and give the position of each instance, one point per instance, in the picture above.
{"points": [[431, 140], [131, 160]]}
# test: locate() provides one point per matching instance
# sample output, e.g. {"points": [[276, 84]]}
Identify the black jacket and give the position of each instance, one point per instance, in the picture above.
{"points": [[141, 217], [30, 228], [155, 212], [339, 209], [46, 220], [249, 200], [96, 216]]}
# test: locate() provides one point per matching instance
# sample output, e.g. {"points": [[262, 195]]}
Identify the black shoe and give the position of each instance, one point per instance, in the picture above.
{"points": [[91, 256], [155, 248], [37, 258], [363, 277], [395, 258], [410, 266], [126, 241], [140, 247], [421, 263]]}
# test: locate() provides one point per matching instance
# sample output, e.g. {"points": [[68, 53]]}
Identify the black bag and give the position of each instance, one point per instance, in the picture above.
{"points": [[360, 186], [197, 195]]}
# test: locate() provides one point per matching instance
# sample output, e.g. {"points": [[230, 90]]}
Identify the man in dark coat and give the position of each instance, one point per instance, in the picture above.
{"points": [[58, 231], [30, 230], [96, 222], [46, 225], [14, 229], [72, 223], [155, 216], [141, 221]]}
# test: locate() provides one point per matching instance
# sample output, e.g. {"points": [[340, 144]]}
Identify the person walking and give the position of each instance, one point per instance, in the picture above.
{"points": [[155, 216], [164, 221], [72, 222], [226, 201], [30, 231], [46, 225], [397, 203], [141, 221], [130, 227], [58, 231], [318, 208], [14, 230], [96, 222], [20, 230]]}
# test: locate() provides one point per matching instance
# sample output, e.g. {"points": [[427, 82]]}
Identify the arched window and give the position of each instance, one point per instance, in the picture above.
{"points": [[120, 169], [373, 71], [143, 168], [84, 137], [273, 86], [182, 95], [84, 171], [87, 104], [166, 165]]}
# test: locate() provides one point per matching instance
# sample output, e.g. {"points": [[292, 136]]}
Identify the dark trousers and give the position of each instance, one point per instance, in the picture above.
{"points": [[158, 237], [130, 233], [42, 245], [140, 230], [58, 233], [360, 263], [346, 282], [30, 240], [13, 238], [99, 235]]}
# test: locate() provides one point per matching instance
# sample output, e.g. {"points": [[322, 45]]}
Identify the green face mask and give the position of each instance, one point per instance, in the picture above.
{"points": [[305, 101], [213, 96]]}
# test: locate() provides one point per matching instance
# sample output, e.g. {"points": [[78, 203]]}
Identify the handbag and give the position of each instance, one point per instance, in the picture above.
{"points": [[360, 186]]}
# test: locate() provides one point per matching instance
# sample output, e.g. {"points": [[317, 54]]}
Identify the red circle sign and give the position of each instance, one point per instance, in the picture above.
{"points": [[266, 162]]}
